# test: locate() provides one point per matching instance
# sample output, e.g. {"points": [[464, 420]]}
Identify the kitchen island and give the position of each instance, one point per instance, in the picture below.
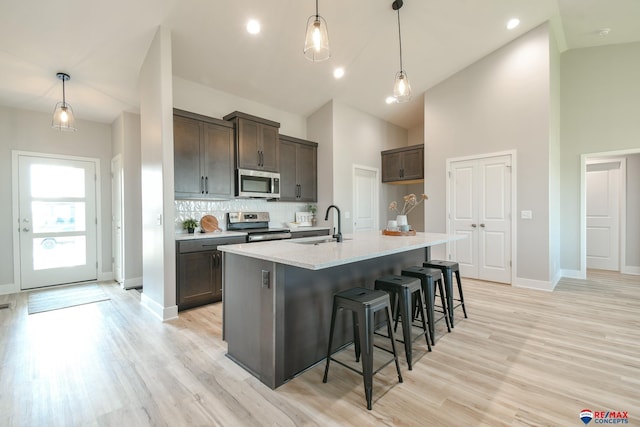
{"points": [[278, 295]]}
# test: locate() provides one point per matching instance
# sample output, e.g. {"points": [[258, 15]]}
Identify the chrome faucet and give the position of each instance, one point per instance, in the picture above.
{"points": [[338, 236]]}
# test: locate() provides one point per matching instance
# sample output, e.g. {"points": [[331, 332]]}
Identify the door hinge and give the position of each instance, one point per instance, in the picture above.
{"points": [[510, 264], [96, 221], [449, 174]]}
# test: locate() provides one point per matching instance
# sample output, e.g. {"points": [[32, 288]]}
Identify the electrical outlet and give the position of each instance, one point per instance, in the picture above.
{"points": [[265, 279], [526, 214]]}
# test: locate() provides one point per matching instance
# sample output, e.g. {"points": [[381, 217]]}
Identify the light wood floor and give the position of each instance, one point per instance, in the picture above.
{"points": [[523, 358]]}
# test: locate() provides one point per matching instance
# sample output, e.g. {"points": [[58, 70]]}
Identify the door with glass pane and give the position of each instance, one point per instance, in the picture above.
{"points": [[57, 221]]}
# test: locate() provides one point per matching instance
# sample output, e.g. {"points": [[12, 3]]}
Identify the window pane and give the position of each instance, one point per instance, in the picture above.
{"points": [[58, 252], [56, 217], [56, 181]]}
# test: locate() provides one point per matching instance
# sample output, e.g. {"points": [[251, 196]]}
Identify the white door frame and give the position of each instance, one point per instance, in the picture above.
{"points": [[514, 185], [376, 193], [116, 163], [17, 280], [590, 158]]}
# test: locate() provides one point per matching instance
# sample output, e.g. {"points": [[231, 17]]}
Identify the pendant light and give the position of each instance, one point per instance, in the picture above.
{"points": [[401, 88], [63, 113], [316, 41]]}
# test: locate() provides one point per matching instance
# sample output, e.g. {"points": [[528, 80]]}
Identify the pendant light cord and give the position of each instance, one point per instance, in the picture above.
{"points": [[400, 40], [64, 99], [317, 10]]}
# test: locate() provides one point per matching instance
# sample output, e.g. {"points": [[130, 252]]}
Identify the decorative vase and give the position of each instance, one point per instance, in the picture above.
{"points": [[402, 220]]}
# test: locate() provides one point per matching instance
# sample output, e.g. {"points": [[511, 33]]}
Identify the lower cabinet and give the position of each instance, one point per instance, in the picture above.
{"points": [[199, 271], [309, 233]]}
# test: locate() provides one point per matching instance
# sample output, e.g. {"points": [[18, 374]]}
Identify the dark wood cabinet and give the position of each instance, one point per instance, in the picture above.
{"points": [[199, 271], [298, 234], [298, 170], [256, 142], [403, 165], [203, 157]]}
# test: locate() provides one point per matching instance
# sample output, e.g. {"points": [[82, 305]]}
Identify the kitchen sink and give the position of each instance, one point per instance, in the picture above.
{"points": [[315, 240]]}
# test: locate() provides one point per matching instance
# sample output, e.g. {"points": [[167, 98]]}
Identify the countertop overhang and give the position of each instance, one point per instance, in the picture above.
{"points": [[355, 247]]}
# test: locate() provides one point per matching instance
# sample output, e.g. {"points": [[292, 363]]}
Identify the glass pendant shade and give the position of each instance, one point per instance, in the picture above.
{"points": [[402, 88], [63, 113], [63, 117], [316, 42]]}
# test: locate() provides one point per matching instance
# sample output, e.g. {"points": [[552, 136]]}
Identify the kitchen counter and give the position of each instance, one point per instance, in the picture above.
{"points": [[278, 295], [314, 254]]}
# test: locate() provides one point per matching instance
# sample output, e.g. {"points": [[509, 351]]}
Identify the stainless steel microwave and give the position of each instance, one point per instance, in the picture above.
{"points": [[254, 183]]}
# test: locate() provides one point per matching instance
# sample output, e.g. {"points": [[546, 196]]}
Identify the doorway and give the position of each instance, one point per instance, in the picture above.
{"points": [[629, 224], [605, 189], [480, 203], [365, 198], [55, 209], [116, 213]]}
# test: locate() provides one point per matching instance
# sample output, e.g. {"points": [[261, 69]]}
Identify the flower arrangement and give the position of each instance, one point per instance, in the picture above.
{"points": [[410, 202]]}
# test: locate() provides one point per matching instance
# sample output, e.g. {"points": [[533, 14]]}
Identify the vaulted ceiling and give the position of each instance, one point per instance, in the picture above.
{"points": [[103, 44]]}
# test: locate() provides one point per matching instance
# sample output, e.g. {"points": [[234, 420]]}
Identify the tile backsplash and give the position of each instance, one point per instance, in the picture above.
{"points": [[280, 213]]}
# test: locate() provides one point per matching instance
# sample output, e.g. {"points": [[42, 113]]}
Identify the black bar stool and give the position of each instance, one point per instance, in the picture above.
{"points": [[404, 288], [430, 278], [448, 268], [363, 303]]}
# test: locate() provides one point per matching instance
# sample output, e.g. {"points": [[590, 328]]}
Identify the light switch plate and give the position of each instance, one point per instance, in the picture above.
{"points": [[526, 214]]}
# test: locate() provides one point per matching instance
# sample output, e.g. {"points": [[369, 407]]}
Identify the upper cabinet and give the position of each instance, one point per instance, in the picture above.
{"points": [[298, 170], [256, 142], [403, 165], [203, 157]]}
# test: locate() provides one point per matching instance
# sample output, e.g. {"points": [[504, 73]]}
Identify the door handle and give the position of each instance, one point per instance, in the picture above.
{"points": [[473, 225], [25, 229], [202, 184], [482, 225]]}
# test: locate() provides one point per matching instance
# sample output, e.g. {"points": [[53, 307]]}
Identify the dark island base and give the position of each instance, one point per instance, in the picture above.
{"points": [[277, 317]]}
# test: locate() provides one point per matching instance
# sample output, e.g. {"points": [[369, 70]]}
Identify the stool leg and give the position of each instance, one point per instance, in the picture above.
{"points": [[366, 327], [393, 342], [405, 303], [464, 310], [444, 304], [333, 324], [429, 296], [356, 335], [448, 284], [424, 321]]}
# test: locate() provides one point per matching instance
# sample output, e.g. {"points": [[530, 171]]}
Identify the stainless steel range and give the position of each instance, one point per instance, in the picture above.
{"points": [[256, 225]]}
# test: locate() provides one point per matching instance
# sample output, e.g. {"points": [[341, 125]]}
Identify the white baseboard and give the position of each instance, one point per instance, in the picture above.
{"points": [[162, 313], [540, 285], [573, 274], [136, 282], [9, 288], [630, 269], [556, 279]]}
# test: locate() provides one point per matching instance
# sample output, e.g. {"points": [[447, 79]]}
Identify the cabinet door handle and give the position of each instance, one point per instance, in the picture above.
{"points": [[206, 185], [261, 159], [482, 225], [474, 225], [202, 184]]}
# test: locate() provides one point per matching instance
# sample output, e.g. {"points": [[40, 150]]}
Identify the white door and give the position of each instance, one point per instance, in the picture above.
{"points": [[365, 199], [116, 208], [480, 209], [603, 216], [57, 221]]}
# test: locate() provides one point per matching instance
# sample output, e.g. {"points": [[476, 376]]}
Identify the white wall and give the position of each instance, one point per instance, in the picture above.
{"points": [[156, 128], [30, 131], [632, 260], [347, 136], [501, 102], [600, 111], [554, 163], [190, 96], [126, 142]]}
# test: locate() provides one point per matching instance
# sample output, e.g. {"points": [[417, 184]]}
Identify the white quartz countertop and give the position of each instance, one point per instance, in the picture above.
{"points": [[212, 235], [304, 253]]}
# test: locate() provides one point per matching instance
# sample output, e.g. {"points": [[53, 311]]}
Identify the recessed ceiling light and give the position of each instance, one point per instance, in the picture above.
{"points": [[253, 26], [390, 100], [603, 32], [513, 23], [338, 73]]}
